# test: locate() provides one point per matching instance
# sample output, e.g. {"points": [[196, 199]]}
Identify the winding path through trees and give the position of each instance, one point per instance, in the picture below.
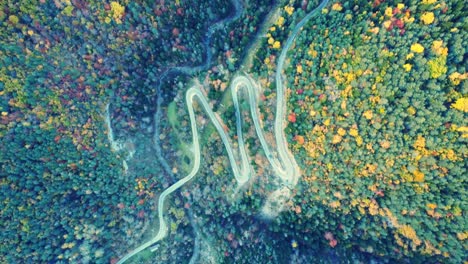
{"points": [[281, 160]]}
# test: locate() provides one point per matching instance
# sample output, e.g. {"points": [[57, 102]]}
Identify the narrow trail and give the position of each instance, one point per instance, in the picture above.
{"points": [[157, 117], [282, 161], [188, 70]]}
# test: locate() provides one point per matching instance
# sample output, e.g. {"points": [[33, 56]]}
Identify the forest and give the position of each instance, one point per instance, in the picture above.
{"points": [[94, 127]]}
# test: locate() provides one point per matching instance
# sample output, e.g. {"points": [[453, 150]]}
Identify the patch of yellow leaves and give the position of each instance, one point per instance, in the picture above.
{"points": [[271, 41], [417, 48], [407, 67], [461, 104], [289, 10], [420, 143], [337, 7], [341, 131], [439, 49], [408, 232], [373, 207], [464, 131], [387, 24], [117, 11], [449, 154], [359, 140], [418, 176], [374, 30], [389, 11], [299, 69], [456, 78], [280, 21], [385, 144], [276, 45], [336, 139], [335, 204], [462, 236], [368, 114], [427, 18], [437, 66], [411, 110]]}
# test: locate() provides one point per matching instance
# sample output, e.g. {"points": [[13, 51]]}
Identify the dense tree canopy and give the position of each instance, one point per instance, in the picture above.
{"points": [[377, 109]]}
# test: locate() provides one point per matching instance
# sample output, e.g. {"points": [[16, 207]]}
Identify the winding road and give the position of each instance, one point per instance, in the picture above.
{"points": [[282, 161]]}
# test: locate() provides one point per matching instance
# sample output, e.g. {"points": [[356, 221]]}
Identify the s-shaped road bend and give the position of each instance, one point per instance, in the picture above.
{"points": [[282, 161]]}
